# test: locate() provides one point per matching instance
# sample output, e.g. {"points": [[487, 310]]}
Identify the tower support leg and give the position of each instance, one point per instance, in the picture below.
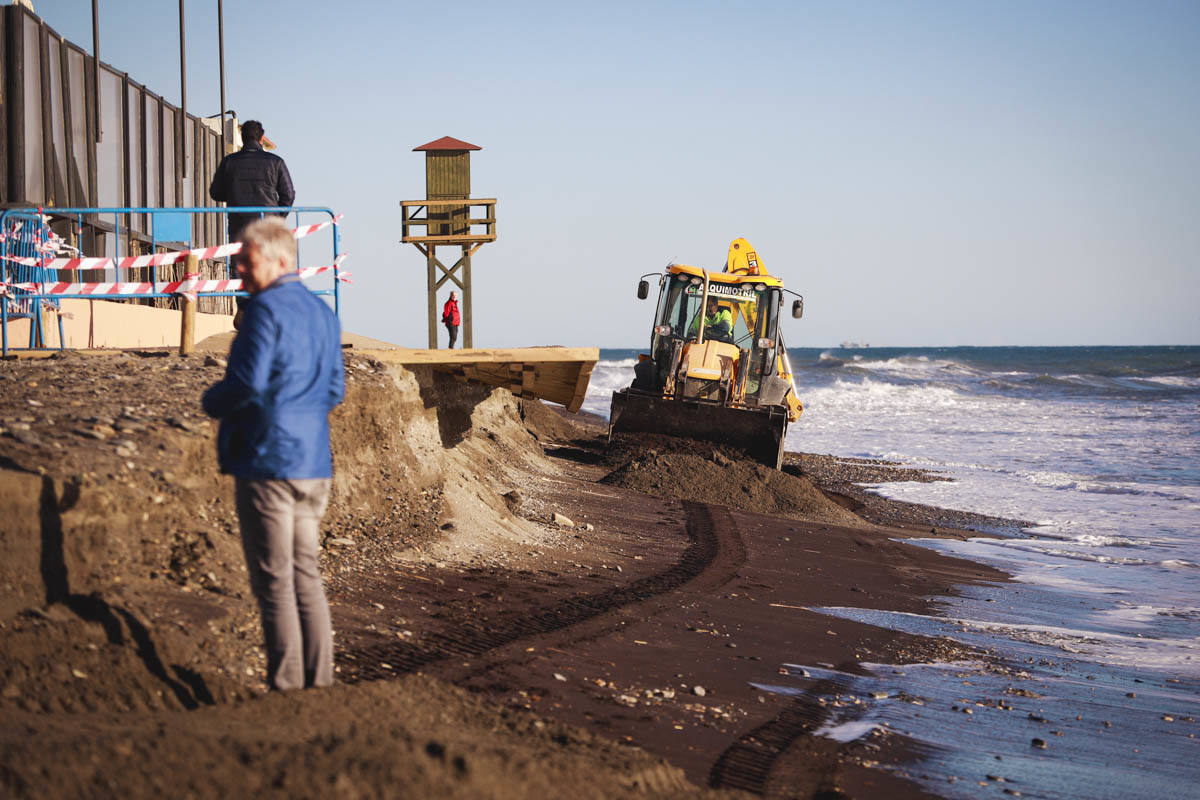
{"points": [[431, 264], [468, 337]]}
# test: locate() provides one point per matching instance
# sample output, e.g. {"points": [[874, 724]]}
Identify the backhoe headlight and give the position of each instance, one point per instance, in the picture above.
{"points": [[760, 287], [662, 330], [696, 281], [765, 344]]}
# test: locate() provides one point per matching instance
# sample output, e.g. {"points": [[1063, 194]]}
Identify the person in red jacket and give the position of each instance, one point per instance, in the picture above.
{"points": [[450, 318]]}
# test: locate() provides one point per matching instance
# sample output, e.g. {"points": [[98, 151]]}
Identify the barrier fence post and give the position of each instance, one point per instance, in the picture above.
{"points": [[187, 325], [43, 314]]}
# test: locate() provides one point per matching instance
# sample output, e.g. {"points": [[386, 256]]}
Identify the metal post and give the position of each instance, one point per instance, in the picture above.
{"points": [[468, 337], [96, 65], [221, 57], [182, 141], [431, 261]]}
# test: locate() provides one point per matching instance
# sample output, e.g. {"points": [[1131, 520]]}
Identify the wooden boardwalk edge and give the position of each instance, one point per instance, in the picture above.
{"points": [[557, 374]]}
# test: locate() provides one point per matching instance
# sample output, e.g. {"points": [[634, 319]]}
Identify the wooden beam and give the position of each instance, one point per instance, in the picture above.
{"points": [[187, 321], [530, 355], [464, 239], [465, 201], [431, 292]]}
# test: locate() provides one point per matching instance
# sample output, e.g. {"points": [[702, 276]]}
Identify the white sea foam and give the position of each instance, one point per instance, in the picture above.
{"points": [[1098, 558], [846, 731], [1189, 382], [1111, 647]]}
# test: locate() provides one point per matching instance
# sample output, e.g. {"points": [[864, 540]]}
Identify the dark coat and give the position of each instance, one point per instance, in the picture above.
{"points": [[285, 375], [251, 177]]}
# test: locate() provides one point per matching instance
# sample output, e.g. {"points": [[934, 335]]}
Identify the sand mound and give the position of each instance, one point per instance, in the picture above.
{"points": [[549, 425], [413, 737], [715, 474], [120, 560]]}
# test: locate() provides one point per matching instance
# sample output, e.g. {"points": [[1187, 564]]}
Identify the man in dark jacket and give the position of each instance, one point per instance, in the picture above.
{"points": [[451, 318], [285, 374], [251, 177]]}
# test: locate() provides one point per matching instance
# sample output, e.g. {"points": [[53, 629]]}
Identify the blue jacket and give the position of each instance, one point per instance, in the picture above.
{"points": [[285, 375]]}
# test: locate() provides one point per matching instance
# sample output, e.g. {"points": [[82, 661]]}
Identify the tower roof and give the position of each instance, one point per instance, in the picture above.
{"points": [[447, 143]]}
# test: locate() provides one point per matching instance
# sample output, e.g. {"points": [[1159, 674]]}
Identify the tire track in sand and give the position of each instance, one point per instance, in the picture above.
{"points": [[714, 553]]}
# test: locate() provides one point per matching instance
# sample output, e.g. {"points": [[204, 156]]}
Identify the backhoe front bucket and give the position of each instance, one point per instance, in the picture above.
{"points": [[760, 432]]}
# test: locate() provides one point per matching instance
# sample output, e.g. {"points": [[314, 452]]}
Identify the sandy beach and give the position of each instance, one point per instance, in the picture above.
{"points": [[485, 646]]}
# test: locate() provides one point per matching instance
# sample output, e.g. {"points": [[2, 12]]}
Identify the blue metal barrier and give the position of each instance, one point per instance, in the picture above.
{"points": [[25, 235]]}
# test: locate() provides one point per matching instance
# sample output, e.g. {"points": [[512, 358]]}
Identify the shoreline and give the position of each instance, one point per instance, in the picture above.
{"points": [[606, 631]]}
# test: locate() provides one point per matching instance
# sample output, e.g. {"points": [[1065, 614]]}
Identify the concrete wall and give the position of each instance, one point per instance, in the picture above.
{"points": [[116, 324]]}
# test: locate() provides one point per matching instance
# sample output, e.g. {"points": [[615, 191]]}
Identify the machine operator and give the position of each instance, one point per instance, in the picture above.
{"points": [[718, 322]]}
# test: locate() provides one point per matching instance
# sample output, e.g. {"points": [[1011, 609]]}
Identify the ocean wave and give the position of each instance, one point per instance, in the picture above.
{"points": [[869, 394], [1093, 485], [1175, 381], [1082, 384], [917, 367], [1096, 558], [828, 360], [1159, 652], [618, 364], [1100, 540]]}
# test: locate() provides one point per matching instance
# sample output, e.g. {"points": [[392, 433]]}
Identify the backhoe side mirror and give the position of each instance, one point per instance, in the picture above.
{"points": [[798, 308], [643, 290]]}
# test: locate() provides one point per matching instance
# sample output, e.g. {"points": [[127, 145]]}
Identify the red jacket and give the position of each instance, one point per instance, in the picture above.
{"points": [[450, 313]]}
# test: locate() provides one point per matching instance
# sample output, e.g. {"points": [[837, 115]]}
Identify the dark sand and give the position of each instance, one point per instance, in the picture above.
{"points": [[483, 651]]}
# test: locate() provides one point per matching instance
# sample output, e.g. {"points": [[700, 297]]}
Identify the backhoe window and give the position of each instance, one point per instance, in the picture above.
{"points": [[664, 296], [742, 301], [762, 359], [682, 303]]}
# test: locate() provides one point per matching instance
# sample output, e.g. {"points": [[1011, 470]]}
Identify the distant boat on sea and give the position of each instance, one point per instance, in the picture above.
{"points": [[848, 345]]}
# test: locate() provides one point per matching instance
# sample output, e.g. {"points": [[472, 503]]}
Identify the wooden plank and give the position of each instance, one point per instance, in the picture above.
{"points": [[431, 296], [548, 354], [187, 320], [464, 201], [467, 296], [465, 239], [580, 389], [427, 222]]}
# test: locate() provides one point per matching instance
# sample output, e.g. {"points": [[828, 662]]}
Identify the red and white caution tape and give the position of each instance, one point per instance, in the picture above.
{"points": [[156, 259], [190, 285]]}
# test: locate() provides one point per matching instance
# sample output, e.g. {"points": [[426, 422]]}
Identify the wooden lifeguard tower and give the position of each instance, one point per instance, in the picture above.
{"points": [[446, 217]]}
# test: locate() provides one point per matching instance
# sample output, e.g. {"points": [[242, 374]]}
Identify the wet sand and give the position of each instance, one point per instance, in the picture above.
{"points": [[483, 650]]}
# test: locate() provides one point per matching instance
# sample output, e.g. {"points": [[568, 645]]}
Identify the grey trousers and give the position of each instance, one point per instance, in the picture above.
{"points": [[280, 521]]}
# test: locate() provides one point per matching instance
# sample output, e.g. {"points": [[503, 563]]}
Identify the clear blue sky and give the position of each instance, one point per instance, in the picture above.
{"points": [[925, 173]]}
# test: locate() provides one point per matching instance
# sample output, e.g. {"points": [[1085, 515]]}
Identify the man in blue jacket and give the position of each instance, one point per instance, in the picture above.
{"points": [[285, 375]]}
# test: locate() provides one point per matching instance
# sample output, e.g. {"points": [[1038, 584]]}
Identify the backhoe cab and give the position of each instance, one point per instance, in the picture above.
{"points": [[717, 368]]}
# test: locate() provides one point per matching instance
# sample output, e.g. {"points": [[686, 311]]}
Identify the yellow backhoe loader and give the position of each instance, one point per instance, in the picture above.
{"points": [[717, 369]]}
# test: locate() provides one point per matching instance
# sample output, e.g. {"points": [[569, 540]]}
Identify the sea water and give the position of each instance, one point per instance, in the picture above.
{"points": [[1098, 448]]}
